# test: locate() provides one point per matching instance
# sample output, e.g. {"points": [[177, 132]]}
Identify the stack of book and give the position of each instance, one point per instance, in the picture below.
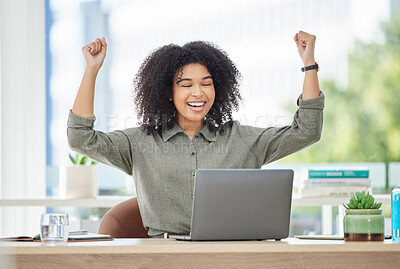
{"points": [[322, 182]]}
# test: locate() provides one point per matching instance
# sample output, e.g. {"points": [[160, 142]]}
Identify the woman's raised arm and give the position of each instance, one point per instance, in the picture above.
{"points": [[94, 54], [306, 44], [113, 148]]}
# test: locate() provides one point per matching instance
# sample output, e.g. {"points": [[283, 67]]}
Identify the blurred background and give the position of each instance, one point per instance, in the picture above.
{"points": [[357, 48]]}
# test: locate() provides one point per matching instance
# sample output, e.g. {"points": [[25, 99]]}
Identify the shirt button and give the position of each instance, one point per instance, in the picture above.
{"points": [[196, 135], [193, 153]]}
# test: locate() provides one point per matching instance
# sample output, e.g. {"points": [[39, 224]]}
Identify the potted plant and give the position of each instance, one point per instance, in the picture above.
{"points": [[78, 180], [363, 220]]}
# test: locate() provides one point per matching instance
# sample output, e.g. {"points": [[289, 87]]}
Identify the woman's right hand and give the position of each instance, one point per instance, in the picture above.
{"points": [[94, 53]]}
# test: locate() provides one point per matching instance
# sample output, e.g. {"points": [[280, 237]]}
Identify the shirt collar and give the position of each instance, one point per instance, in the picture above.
{"points": [[209, 135], [168, 133], [176, 129]]}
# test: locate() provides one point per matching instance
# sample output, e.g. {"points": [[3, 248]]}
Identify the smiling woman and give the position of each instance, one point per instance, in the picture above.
{"points": [[173, 76], [184, 98], [193, 94]]}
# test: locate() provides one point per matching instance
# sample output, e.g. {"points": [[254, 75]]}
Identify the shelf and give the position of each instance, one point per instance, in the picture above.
{"points": [[335, 201], [110, 201], [100, 202]]}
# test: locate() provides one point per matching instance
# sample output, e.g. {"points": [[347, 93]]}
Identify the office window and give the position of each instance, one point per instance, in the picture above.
{"points": [[257, 34]]}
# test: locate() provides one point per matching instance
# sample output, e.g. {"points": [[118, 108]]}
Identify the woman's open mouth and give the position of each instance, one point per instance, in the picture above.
{"points": [[196, 106]]}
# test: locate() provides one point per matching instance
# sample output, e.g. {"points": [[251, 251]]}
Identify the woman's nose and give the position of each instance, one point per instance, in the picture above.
{"points": [[197, 91]]}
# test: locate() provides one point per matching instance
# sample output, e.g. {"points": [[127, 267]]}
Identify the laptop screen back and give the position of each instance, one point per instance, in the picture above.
{"points": [[241, 204]]}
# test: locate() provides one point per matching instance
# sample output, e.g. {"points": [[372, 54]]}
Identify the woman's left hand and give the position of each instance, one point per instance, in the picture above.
{"points": [[305, 44]]}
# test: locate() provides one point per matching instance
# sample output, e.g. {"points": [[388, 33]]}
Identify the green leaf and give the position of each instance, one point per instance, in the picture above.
{"points": [[363, 202], [93, 162], [358, 196], [351, 206], [368, 205], [345, 206], [72, 159], [354, 203], [372, 199], [376, 206], [83, 160]]}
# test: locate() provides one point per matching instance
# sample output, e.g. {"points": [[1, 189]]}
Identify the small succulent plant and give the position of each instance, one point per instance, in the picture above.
{"points": [[362, 200], [80, 159]]}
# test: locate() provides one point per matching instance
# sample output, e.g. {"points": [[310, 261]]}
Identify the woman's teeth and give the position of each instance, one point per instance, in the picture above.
{"points": [[196, 104]]}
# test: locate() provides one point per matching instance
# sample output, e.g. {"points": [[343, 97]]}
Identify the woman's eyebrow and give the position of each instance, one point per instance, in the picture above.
{"points": [[183, 79], [189, 79]]}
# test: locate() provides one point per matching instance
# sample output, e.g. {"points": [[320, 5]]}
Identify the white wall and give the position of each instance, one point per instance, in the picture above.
{"points": [[23, 114]]}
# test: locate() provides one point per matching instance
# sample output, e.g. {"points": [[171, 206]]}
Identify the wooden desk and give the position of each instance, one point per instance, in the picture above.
{"points": [[168, 253]]}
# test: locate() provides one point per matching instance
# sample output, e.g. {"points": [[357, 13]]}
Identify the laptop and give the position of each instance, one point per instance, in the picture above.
{"points": [[240, 204]]}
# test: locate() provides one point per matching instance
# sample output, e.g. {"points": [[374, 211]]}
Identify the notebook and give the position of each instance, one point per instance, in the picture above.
{"points": [[240, 204], [71, 238]]}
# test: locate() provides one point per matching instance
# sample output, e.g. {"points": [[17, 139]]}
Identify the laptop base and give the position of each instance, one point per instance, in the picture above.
{"points": [[189, 238]]}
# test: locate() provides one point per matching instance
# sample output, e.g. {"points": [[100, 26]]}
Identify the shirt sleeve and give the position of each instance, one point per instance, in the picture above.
{"points": [[271, 144], [111, 148]]}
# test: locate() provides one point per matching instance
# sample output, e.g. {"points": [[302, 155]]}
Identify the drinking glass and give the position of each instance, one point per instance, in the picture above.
{"points": [[54, 228]]}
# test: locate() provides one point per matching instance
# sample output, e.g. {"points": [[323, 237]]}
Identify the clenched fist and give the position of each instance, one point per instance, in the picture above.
{"points": [[94, 53], [305, 44]]}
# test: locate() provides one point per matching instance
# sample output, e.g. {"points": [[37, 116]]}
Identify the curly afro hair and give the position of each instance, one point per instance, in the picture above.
{"points": [[154, 80]]}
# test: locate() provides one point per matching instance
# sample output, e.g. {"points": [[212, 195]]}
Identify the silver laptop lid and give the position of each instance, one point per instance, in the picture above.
{"points": [[241, 204]]}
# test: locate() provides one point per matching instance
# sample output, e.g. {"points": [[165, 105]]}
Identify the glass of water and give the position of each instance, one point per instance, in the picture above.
{"points": [[54, 228]]}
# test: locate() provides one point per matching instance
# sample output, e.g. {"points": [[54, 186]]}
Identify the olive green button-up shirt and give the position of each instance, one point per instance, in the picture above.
{"points": [[163, 165]]}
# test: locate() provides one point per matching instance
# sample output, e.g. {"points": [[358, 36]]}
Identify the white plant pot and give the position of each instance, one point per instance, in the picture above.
{"points": [[78, 181]]}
